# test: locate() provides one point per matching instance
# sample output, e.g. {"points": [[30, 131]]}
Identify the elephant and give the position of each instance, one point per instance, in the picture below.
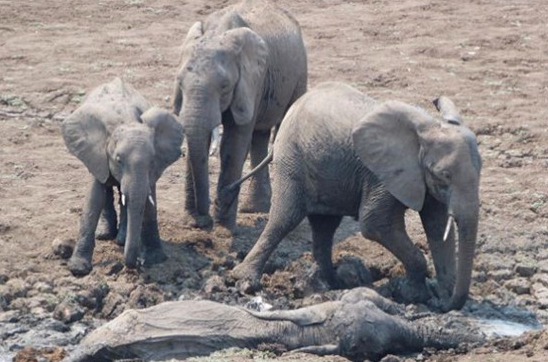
{"points": [[340, 153], [125, 143], [242, 68], [361, 325]]}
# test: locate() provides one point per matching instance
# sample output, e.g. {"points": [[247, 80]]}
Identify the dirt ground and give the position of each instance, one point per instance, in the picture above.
{"points": [[489, 56]]}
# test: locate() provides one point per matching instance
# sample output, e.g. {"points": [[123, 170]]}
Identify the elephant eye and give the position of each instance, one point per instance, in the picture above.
{"points": [[118, 160], [443, 175]]}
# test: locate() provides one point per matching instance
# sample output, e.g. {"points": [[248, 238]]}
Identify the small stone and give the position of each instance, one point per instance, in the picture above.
{"points": [[500, 275], [115, 268], [68, 312], [214, 284], [519, 286], [391, 358], [525, 270], [114, 305], [11, 316], [63, 248], [43, 287], [13, 289]]}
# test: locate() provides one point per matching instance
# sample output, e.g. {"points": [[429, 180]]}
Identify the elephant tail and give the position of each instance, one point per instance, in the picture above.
{"points": [[258, 168]]}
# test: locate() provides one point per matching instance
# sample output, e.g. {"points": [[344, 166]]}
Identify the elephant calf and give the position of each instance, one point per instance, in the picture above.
{"points": [[124, 143], [340, 153], [361, 325]]}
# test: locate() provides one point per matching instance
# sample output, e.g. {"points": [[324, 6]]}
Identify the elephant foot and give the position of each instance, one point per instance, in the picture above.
{"points": [[195, 221], [154, 256], [79, 266]]}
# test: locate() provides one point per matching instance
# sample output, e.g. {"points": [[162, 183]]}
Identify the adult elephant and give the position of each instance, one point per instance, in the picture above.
{"points": [[125, 143], [242, 68], [339, 153]]}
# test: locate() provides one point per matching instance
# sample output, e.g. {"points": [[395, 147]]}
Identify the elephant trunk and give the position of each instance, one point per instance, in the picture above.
{"points": [[198, 148], [135, 194], [466, 216], [200, 116]]}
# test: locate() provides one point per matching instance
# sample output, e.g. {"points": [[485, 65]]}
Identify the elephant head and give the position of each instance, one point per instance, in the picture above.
{"points": [[220, 72], [418, 158], [134, 153]]}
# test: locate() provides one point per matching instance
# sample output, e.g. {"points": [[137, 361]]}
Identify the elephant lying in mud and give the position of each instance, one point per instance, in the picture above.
{"points": [[242, 68], [125, 143], [361, 325], [340, 153]]}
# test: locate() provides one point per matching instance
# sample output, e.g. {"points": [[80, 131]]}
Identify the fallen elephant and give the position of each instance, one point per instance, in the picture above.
{"points": [[361, 325]]}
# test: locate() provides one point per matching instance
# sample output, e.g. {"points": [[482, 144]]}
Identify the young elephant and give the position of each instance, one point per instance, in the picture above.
{"points": [[124, 142], [340, 153], [242, 68]]}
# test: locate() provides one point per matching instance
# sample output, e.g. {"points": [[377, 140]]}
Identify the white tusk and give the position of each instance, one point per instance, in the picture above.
{"points": [[123, 200], [448, 227], [151, 200]]}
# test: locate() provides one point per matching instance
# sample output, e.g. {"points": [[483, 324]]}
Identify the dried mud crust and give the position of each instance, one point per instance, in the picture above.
{"points": [[488, 56]]}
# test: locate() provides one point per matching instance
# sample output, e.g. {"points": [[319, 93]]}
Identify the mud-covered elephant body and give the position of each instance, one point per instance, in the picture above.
{"points": [[242, 68], [125, 143], [361, 325], [339, 152]]}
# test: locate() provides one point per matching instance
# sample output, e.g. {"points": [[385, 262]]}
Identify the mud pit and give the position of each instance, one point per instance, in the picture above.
{"points": [[490, 57]]}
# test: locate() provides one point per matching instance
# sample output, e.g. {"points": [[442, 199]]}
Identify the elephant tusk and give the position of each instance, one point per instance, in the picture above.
{"points": [[123, 200], [448, 227], [151, 200]]}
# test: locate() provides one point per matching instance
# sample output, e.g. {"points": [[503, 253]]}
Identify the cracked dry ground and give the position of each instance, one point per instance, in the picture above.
{"points": [[490, 57]]}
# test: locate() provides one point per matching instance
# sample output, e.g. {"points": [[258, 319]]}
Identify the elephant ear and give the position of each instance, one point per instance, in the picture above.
{"points": [[168, 137], [86, 138], [252, 53], [448, 110], [387, 142]]}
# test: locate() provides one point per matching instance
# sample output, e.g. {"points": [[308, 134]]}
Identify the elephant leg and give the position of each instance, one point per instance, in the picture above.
{"points": [[382, 219], [192, 217], [108, 223], [234, 148], [287, 211], [323, 230], [434, 218], [80, 261], [122, 229], [259, 192], [153, 250]]}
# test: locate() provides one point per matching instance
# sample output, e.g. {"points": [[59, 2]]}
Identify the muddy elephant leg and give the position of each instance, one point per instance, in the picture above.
{"points": [[108, 222], [80, 261], [259, 190], [122, 227], [434, 218], [382, 220], [154, 252], [287, 211], [323, 229], [234, 147]]}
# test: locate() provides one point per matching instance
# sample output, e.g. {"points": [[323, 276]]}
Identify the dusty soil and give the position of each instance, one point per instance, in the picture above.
{"points": [[489, 56]]}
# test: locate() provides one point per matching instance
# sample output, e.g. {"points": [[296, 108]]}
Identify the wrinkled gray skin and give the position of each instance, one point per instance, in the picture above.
{"points": [[361, 325], [124, 143], [242, 68], [340, 153]]}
